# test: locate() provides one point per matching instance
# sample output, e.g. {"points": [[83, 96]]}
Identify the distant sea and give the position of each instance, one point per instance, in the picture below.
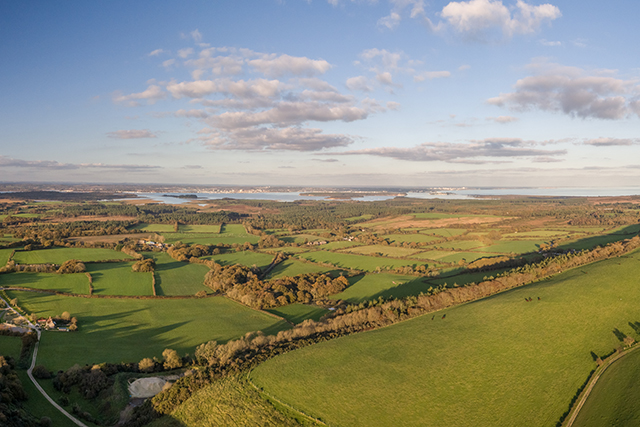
{"points": [[452, 194]]}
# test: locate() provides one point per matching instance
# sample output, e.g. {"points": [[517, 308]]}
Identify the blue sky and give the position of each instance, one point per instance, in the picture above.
{"points": [[321, 92]]}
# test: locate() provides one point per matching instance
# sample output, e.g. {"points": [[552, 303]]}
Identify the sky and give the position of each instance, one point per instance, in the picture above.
{"points": [[411, 93]]}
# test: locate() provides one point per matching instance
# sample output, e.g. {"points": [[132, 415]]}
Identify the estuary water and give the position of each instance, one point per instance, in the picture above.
{"points": [[463, 193]]}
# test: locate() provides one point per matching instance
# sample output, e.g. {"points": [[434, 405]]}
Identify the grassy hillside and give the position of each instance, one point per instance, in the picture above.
{"points": [[60, 255], [489, 362]]}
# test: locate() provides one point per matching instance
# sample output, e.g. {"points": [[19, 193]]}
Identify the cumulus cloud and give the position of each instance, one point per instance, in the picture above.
{"points": [[278, 66], [184, 53], [132, 134], [259, 139], [152, 94], [503, 119], [474, 152], [572, 91], [360, 83]]}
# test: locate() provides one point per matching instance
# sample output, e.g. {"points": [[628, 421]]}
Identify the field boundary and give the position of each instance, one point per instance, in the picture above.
{"points": [[587, 391]]}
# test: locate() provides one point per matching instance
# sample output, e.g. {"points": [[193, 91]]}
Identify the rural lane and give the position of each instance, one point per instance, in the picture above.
{"points": [[33, 364], [592, 383]]}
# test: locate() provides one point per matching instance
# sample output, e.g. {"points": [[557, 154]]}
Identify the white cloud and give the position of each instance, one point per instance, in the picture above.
{"points": [[503, 119], [277, 66], [391, 21], [572, 91], [431, 75], [480, 19], [132, 134], [474, 152], [168, 63], [196, 35], [152, 94], [156, 52], [391, 105], [550, 43], [184, 53], [360, 83], [610, 142], [9, 162]]}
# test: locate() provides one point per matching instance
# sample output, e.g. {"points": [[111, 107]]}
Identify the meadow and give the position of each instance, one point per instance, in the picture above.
{"points": [[388, 251], [4, 256], [410, 238], [154, 228], [293, 267], [10, 346], [60, 255], [76, 283], [371, 286], [297, 313], [488, 362], [117, 278], [357, 262], [199, 229], [176, 277], [127, 330], [246, 258]]}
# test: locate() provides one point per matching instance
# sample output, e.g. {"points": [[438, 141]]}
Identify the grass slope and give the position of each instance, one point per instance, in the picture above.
{"points": [[115, 330], [371, 286], [247, 258], [228, 402], [490, 362], [10, 346], [297, 313]]}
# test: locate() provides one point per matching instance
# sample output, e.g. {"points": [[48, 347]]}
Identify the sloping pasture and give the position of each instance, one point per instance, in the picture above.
{"points": [[497, 361]]}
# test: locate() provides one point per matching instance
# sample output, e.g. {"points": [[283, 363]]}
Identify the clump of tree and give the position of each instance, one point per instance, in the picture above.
{"points": [[12, 396], [72, 266], [243, 284], [146, 265], [89, 381]]}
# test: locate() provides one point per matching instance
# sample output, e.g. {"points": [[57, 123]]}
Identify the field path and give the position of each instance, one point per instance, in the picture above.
{"points": [[592, 383], [33, 364]]}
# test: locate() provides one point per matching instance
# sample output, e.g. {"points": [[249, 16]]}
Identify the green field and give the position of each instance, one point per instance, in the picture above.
{"points": [[390, 251], [488, 363], [340, 245], [293, 267], [515, 246], [410, 238], [4, 256], [60, 255], [247, 258], [614, 399], [117, 278], [115, 330], [176, 277], [296, 313], [300, 238], [10, 346], [38, 406], [154, 228], [236, 229], [358, 262], [199, 228], [467, 256], [228, 402], [372, 286], [444, 232], [460, 244], [76, 283]]}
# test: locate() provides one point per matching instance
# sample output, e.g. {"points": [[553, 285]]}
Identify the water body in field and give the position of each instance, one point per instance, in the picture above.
{"points": [[449, 194]]}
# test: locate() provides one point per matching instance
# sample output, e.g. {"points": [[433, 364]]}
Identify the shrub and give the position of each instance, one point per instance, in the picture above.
{"points": [[41, 372]]}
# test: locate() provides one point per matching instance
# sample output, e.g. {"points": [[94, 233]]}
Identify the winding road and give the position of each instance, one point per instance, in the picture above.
{"points": [[33, 364]]}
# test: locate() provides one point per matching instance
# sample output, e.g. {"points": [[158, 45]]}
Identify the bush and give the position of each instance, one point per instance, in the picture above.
{"points": [[41, 372]]}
